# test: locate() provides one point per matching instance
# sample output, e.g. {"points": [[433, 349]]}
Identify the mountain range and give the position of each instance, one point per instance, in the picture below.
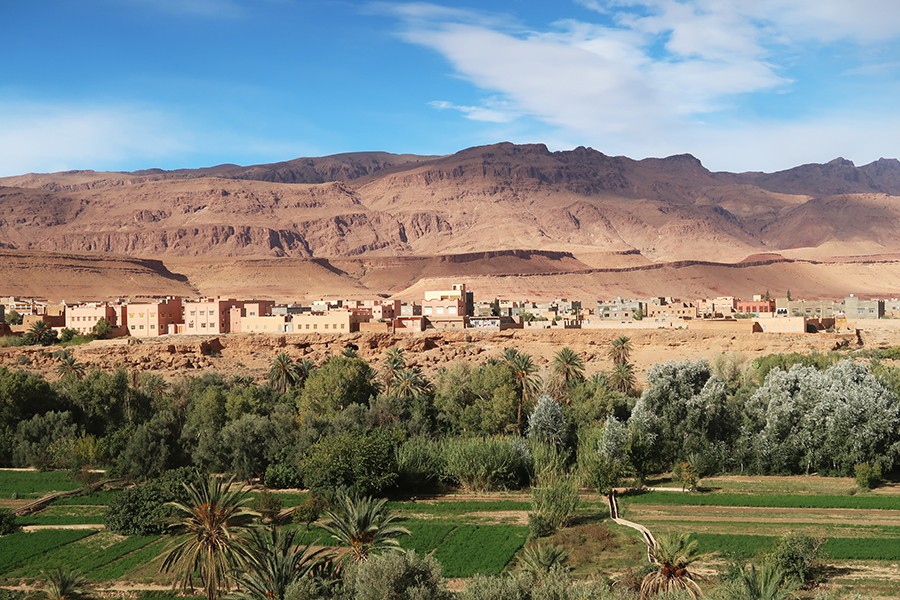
{"points": [[493, 211]]}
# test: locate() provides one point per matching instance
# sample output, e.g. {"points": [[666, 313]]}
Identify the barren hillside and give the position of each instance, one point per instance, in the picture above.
{"points": [[376, 222]]}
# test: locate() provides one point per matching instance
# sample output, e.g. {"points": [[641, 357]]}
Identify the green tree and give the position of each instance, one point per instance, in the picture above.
{"points": [[362, 527], [528, 382], [67, 335], [274, 561], [338, 383], [216, 524], [284, 373], [14, 318], [394, 363], [672, 556], [620, 350], [40, 334], [102, 328], [64, 584], [797, 554], [363, 463], [476, 400], [397, 576], [622, 378], [567, 371], [69, 368]]}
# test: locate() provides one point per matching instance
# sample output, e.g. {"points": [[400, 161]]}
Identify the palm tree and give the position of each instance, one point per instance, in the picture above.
{"points": [[567, 370], [216, 523], [620, 350], [622, 378], [540, 559], [363, 526], [394, 362], [275, 561], [40, 333], [528, 382], [283, 373], [766, 583], [672, 554], [304, 367], [70, 368], [64, 584], [409, 384]]}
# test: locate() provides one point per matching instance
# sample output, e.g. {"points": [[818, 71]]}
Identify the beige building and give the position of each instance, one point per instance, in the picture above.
{"points": [[83, 317], [333, 321], [446, 309], [238, 315], [209, 315], [678, 310], [266, 324], [150, 319]]}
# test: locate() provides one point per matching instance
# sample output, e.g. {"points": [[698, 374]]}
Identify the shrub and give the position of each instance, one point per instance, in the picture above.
{"points": [[67, 335], [502, 587], [420, 464], [797, 555], [7, 522], [268, 505], [868, 476], [309, 510], [281, 476], [484, 464], [547, 423], [554, 500], [361, 463], [397, 576], [141, 510], [687, 475], [311, 588]]}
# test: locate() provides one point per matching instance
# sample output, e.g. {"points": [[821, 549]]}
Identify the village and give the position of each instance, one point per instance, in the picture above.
{"points": [[455, 308]]}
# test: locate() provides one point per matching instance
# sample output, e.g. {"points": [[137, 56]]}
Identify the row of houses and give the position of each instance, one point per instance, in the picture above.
{"points": [[452, 308]]}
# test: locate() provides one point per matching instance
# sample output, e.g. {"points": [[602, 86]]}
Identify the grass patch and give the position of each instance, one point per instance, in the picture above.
{"points": [[479, 549], [88, 554], [66, 515], [96, 499], [453, 508], [867, 502], [749, 546], [34, 484], [426, 535], [120, 567], [19, 548]]}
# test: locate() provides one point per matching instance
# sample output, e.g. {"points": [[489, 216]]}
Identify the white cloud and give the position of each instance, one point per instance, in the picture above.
{"points": [[48, 137], [650, 75]]}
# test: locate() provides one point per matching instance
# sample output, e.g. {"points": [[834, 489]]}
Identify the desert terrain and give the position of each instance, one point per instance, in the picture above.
{"points": [[513, 220]]}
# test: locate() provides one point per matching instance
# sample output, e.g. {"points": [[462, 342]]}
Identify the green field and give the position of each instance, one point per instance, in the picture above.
{"points": [[30, 548], [66, 514], [34, 484], [750, 546], [864, 502], [479, 549]]}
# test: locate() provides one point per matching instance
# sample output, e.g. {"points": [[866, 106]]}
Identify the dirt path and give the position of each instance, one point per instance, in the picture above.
{"points": [[82, 526]]}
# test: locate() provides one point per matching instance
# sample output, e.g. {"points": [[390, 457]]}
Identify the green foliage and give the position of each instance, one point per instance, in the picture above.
{"points": [[397, 576], [67, 335], [273, 562], [603, 456], [215, 523], [268, 505], [41, 441], [484, 464], [687, 475], [89, 554], [282, 476], [359, 463], [868, 476], [143, 509], [554, 501], [672, 556], [102, 328], [117, 569], [420, 465], [362, 526], [768, 582], [13, 317], [7, 522], [64, 583], [797, 555], [540, 560], [39, 334], [151, 449], [547, 423], [764, 365], [476, 400], [337, 384], [309, 510]]}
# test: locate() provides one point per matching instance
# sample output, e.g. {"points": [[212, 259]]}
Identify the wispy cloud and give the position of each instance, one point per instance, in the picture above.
{"points": [[36, 136], [646, 74]]}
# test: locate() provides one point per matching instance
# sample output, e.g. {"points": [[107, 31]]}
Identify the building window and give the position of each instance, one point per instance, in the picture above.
{"points": [[132, 326], [152, 326], [343, 326], [326, 325], [142, 327], [203, 325]]}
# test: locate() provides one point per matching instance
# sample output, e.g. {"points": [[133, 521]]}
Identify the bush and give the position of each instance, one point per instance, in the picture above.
{"points": [[282, 476], [309, 510], [797, 555], [420, 465], [311, 588], [397, 576], [484, 464], [141, 510], [67, 335], [868, 476], [554, 500], [7, 522], [363, 464], [268, 505]]}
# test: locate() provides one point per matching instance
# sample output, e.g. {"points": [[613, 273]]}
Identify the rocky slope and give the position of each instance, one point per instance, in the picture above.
{"points": [[582, 203]]}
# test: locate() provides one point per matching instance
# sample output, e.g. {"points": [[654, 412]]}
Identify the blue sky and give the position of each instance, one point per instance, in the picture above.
{"points": [[130, 84]]}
